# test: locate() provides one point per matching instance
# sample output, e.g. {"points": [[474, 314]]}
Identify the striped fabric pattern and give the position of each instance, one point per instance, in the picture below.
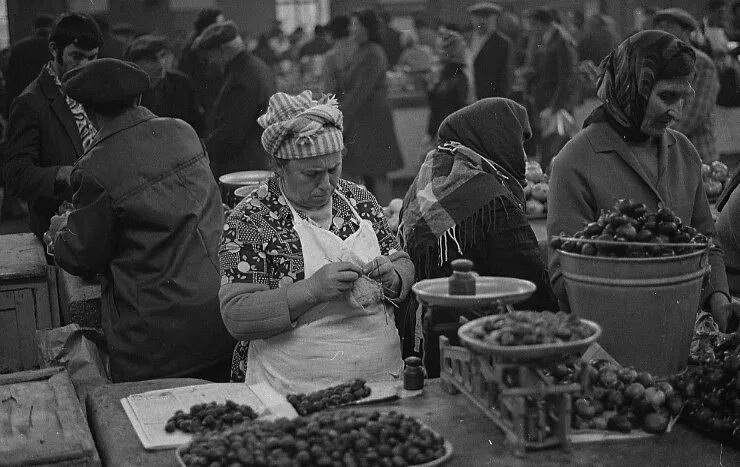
{"points": [[299, 127]]}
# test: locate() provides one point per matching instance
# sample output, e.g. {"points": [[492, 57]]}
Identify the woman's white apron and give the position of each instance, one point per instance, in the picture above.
{"points": [[353, 336]]}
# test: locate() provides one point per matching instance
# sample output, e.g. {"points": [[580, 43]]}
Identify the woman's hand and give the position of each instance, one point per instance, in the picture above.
{"points": [[332, 280], [724, 311], [381, 269]]}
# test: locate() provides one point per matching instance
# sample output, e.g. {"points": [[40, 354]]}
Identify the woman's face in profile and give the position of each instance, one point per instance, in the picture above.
{"points": [[665, 105]]}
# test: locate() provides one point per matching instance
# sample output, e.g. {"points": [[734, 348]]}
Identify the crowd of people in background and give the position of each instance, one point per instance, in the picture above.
{"points": [[545, 59]]}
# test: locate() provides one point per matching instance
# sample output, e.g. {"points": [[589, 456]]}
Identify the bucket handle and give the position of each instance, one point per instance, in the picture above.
{"points": [[637, 282]]}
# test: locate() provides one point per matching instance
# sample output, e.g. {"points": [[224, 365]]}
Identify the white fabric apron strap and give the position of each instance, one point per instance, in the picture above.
{"points": [[354, 336]]}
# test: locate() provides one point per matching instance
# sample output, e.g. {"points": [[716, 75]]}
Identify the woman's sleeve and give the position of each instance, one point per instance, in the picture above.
{"points": [[703, 222], [250, 309], [568, 210], [389, 246]]}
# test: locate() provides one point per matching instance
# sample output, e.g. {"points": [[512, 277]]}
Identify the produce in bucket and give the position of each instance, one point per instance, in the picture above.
{"points": [[333, 396], [712, 395], [618, 399], [531, 328], [212, 416], [326, 439], [645, 234]]}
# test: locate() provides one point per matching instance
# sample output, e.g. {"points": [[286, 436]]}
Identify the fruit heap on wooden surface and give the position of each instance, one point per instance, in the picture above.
{"points": [[531, 328], [659, 231], [348, 438], [618, 399], [714, 176], [212, 416], [334, 396], [536, 190], [392, 213], [712, 394]]}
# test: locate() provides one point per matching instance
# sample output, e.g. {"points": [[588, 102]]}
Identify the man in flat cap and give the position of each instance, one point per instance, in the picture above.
{"points": [[490, 53], [552, 84], [147, 219], [696, 120], [171, 93], [233, 139], [48, 130]]}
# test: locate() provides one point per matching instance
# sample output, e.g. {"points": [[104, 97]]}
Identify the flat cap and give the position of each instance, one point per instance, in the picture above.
{"points": [[105, 81], [215, 35], [678, 15], [484, 9], [146, 46]]}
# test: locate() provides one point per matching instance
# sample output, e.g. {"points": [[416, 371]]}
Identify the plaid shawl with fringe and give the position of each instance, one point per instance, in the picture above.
{"points": [[453, 194]]}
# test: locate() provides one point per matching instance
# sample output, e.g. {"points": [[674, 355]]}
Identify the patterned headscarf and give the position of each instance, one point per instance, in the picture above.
{"points": [[628, 75], [298, 127]]}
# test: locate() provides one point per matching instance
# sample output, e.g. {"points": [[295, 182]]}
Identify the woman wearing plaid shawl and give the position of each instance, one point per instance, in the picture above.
{"points": [[310, 271], [468, 202]]}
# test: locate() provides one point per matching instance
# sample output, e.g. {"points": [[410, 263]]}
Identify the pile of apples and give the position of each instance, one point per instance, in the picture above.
{"points": [[536, 190], [392, 213], [714, 176]]}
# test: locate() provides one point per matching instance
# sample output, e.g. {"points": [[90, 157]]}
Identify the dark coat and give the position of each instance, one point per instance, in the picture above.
{"points": [[207, 78], [42, 136], [554, 83], [112, 48], [369, 134], [174, 97], [148, 219], [448, 95], [234, 141], [492, 67], [27, 57]]}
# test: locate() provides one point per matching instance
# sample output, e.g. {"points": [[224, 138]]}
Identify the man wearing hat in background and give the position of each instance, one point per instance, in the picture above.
{"points": [[171, 93], [696, 121], [147, 219], [490, 53], [48, 130], [233, 141]]}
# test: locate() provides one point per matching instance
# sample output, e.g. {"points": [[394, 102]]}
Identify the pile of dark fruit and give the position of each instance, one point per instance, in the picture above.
{"points": [[661, 232], [210, 416], [345, 438], [333, 396], [712, 393], [618, 399], [530, 328]]}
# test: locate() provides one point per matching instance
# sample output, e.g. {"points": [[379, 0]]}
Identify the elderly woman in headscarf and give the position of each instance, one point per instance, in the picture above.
{"points": [[468, 202], [310, 269], [627, 150]]}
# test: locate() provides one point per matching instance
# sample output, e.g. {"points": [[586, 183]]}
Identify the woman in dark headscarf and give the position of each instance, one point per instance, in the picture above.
{"points": [[467, 202], [626, 150]]}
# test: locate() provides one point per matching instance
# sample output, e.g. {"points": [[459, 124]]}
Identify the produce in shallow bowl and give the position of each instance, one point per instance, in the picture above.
{"points": [[321, 439], [529, 335]]}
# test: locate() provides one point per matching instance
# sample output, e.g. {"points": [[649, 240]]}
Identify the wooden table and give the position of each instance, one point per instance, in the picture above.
{"points": [[476, 440]]}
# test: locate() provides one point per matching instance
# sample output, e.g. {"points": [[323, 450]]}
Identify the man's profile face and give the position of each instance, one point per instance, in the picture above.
{"points": [[72, 57]]}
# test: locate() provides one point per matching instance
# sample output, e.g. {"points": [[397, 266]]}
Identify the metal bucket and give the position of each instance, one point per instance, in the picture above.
{"points": [[646, 306], [230, 182]]}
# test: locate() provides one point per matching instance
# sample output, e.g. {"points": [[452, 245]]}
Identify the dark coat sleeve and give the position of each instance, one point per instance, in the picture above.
{"points": [[22, 169], [85, 245]]}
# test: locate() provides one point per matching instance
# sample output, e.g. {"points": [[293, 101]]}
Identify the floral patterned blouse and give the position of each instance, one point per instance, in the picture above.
{"points": [[260, 246]]}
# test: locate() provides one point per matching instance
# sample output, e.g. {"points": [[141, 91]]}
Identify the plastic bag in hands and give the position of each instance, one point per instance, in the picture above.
{"points": [[561, 123]]}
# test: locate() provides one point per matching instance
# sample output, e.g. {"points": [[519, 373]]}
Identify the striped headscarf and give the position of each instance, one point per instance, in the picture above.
{"points": [[628, 75], [298, 127]]}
